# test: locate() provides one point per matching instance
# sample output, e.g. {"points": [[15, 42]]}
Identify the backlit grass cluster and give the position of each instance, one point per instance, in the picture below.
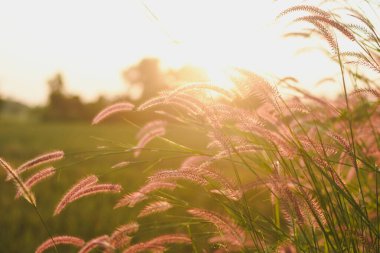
{"points": [[268, 173]]}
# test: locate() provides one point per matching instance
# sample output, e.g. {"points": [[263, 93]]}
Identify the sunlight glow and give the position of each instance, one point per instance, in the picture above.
{"points": [[92, 42]]}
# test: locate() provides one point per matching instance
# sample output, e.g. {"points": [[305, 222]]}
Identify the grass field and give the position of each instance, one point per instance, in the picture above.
{"points": [[86, 151]]}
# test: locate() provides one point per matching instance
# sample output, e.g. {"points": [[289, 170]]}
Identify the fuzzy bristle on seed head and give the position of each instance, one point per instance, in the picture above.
{"points": [[148, 137], [62, 239], [286, 248], [25, 191], [82, 184], [127, 229], [94, 189], [144, 246], [36, 178], [253, 84], [232, 194], [374, 92], [306, 8], [7, 167], [41, 159], [193, 161], [155, 207], [150, 126], [101, 241], [171, 238], [153, 186], [120, 164], [152, 102], [112, 109], [325, 20], [342, 141], [168, 175], [158, 243], [224, 225], [202, 86], [249, 148], [131, 199], [226, 240]]}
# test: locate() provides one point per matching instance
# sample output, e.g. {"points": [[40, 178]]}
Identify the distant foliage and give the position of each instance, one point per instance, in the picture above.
{"points": [[62, 106]]}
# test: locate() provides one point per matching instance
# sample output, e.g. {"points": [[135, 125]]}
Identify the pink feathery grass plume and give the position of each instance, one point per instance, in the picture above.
{"points": [[97, 188], [158, 243], [82, 184], [188, 175], [249, 148], [147, 133], [314, 210], [25, 191], [203, 86], [224, 225], [144, 246], [112, 109], [286, 248], [41, 159], [121, 236], [93, 189], [153, 186], [11, 173], [36, 178], [101, 241], [230, 193], [373, 92], [120, 164], [227, 188], [189, 103], [150, 126], [192, 162], [147, 137], [306, 8], [172, 238], [155, 207], [250, 84], [62, 239], [128, 229], [132, 199], [321, 19], [152, 102], [341, 140], [228, 241]]}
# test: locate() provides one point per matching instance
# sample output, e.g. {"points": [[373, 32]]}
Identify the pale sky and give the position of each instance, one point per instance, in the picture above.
{"points": [[92, 42]]}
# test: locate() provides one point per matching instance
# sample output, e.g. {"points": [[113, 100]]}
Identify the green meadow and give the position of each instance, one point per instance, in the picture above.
{"points": [[88, 150]]}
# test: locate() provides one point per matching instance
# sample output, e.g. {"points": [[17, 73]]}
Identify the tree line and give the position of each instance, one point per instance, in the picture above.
{"points": [[143, 80]]}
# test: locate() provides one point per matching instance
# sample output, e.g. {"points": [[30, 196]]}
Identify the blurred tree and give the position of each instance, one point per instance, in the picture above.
{"points": [[56, 102], [60, 105], [146, 79], [1, 102], [56, 84], [67, 107]]}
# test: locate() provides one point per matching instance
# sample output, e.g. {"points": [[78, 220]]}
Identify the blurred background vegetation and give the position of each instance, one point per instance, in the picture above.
{"points": [[143, 80], [63, 123]]}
